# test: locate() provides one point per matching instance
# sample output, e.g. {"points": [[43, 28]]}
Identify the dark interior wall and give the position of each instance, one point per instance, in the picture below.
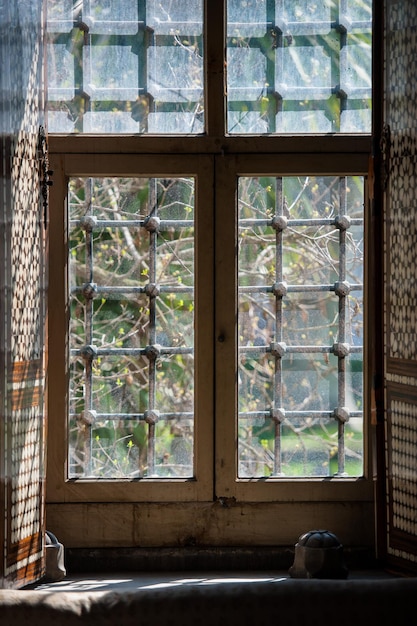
{"points": [[22, 286], [399, 183]]}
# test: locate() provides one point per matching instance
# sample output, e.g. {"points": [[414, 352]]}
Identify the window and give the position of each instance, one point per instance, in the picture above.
{"points": [[131, 332], [126, 67], [208, 258], [300, 326], [299, 67]]}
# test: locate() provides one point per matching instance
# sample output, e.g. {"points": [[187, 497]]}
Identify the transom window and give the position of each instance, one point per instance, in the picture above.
{"points": [[138, 66], [126, 67], [299, 66]]}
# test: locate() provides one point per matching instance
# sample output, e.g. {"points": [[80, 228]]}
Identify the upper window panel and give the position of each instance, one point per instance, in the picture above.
{"points": [[125, 67], [299, 67]]}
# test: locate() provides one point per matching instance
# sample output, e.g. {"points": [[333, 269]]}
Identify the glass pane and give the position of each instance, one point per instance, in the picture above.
{"points": [[131, 258], [300, 266], [299, 67], [125, 67]]}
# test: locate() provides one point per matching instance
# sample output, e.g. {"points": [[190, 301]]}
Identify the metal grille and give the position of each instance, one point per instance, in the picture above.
{"points": [[300, 394], [125, 67], [132, 251], [299, 67]]}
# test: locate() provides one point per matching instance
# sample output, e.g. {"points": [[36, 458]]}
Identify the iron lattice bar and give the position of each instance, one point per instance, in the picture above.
{"points": [[298, 349], [97, 224], [92, 352], [95, 415], [278, 399], [88, 361], [110, 289], [343, 313], [298, 288], [250, 415], [151, 416], [251, 223]]}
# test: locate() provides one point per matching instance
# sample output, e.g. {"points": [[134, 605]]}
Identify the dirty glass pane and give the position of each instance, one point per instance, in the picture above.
{"points": [[131, 340], [300, 321], [125, 67], [295, 66]]}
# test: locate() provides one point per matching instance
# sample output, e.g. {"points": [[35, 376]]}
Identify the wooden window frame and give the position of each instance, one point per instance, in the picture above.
{"points": [[217, 159]]}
